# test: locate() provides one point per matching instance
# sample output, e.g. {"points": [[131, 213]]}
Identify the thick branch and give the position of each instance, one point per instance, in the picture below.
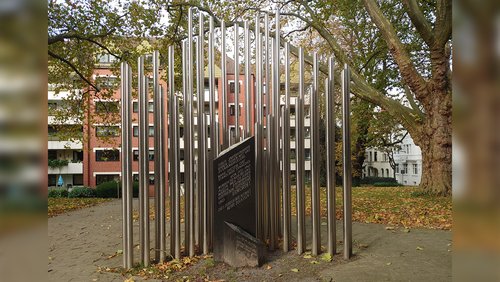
{"points": [[55, 56], [408, 71], [418, 19], [443, 22]]}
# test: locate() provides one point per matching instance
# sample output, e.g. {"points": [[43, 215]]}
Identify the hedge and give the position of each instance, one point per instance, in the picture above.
{"points": [[109, 189], [386, 184], [82, 192], [58, 193], [373, 180]]}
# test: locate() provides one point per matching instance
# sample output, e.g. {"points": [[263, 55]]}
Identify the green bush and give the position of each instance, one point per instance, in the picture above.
{"points": [[83, 192], [373, 180], [386, 184], [58, 193], [109, 189]]}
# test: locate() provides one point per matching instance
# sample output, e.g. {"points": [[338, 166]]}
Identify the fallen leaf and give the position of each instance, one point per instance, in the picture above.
{"points": [[307, 256], [294, 270], [119, 252], [314, 262], [279, 275], [420, 249], [406, 230], [389, 263], [326, 257], [389, 228], [362, 246], [268, 267]]}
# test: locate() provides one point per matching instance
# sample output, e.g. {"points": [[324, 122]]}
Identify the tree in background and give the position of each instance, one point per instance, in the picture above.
{"points": [[407, 46]]}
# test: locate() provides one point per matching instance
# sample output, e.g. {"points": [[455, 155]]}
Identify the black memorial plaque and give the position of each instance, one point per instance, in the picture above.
{"points": [[234, 192]]}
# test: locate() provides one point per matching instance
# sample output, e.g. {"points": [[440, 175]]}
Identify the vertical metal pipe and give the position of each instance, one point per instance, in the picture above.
{"points": [[286, 155], [126, 158], [171, 161], [129, 189], [236, 82], [225, 133], [299, 124], [201, 175], [177, 203], [159, 163], [315, 156], [143, 163], [267, 155], [272, 155], [330, 157], [187, 142], [276, 113], [213, 129], [190, 118], [258, 133], [346, 149], [248, 99]]}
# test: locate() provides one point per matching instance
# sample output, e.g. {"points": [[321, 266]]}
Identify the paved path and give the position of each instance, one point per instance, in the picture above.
{"points": [[82, 241]]}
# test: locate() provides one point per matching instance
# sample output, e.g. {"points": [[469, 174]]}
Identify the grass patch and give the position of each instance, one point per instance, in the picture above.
{"points": [[395, 206], [57, 206]]}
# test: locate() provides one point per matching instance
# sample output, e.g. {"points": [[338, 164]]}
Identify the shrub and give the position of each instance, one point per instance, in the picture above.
{"points": [[109, 189], [83, 192], [58, 193], [386, 184], [373, 180]]}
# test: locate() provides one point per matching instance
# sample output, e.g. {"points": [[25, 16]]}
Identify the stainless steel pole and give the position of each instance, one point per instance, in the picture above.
{"points": [[177, 204], [346, 148], [299, 124], [192, 132], [202, 171], [248, 99], [144, 162], [159, 163], [128, 250], [330, 157], [315, 156], [223, 107], [211, 97], [286, 155], [267, 155], [236, 83], [258, 133], [272, 155], [277, 131], [186, 145]]}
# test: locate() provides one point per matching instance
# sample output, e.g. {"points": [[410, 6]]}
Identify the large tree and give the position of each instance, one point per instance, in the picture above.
{"points": [[415, 51]]}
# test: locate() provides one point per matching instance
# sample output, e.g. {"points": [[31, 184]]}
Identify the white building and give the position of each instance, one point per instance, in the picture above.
{"points": [[377, 164], [408, 162], [69, 154]]}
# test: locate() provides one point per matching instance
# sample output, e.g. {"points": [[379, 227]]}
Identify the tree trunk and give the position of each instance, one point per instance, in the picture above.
{"points": [[435, 142]]}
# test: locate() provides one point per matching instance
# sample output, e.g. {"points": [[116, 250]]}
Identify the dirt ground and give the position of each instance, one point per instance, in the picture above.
{"points": [[83, 242]]}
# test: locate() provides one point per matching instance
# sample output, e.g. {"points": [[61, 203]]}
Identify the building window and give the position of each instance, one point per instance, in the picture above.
{"points": [[135, 130], [107, 107], [135, 154], [231, 87], [264, 112], [405, 169], [107, 155], [77, 179], [107, 131], [307, 154], [292, 111], [135, 107], [101, 178], [375, 156], [387, 172], [52, 180], [106, 82], [397, 168], [415, 169], [308, 132], [382, 172], [52, 106], [370, 159], [151, 178], [232, 109]]}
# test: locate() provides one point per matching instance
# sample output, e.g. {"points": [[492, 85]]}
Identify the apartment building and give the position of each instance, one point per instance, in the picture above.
{"points": [[65, 156], [98, 157]]}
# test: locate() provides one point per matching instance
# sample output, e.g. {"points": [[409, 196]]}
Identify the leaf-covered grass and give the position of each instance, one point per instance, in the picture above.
{"points": [[58, 206], [394, 206]]}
